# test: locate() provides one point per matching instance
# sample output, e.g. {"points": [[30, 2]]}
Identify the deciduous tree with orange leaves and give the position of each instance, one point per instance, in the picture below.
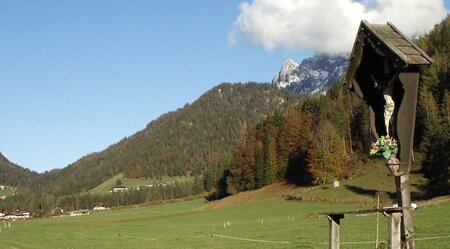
{"points": [[326, 157]]}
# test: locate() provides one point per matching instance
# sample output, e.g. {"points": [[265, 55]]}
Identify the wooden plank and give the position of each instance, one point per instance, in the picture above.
{"points": [[398, 42], [388, 35], [397, 52], [417, 60], [427, 57], [406, 118], [394, 230], [364, 211], [408, 50], [354, 61], [334, 221], [385, 31], [389, 49]]}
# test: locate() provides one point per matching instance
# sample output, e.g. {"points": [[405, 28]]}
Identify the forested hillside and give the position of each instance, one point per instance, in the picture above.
{"points": [[187, 141], [14, 175], [320, 139], [308, 143]]}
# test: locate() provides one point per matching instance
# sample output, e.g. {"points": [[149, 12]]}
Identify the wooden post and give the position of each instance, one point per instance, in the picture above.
{"points": [[394, 229], [212, 240], [406, 118], [378, 221], [404, 200], [334, 222]]}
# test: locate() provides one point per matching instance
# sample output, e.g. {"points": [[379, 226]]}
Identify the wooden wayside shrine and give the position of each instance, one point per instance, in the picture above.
{"points": [[383, 70]]}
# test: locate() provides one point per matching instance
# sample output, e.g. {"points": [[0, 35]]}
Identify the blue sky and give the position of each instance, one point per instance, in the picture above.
{"points": [[78, 76]]}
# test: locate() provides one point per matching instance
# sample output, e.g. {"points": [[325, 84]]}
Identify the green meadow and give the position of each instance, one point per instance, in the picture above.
{"points": [[242, 221], [7, 191], [106, 186]]}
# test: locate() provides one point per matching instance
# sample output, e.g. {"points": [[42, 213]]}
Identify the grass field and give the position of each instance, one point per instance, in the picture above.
{"points": [[263, 218], [7, 191], [106, 186], [363, 186]]}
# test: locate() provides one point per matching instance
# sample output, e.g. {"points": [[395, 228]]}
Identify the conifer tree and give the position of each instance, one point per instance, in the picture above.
{"points": [[436, 166]]}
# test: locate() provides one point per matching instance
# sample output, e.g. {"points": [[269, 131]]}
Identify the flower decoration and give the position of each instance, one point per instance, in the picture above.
{"points": [[385, 146]]}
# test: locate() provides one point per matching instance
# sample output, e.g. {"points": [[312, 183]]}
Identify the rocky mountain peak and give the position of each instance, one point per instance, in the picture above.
{"points": [[286, 74], [312, 75]]}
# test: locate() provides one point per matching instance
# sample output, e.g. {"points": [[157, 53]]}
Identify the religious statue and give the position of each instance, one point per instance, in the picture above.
{"points": [[381, 91]]}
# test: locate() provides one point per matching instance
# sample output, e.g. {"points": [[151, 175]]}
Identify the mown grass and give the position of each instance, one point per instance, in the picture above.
{"points": [[106, 186], [188, 224], [369, 180], [257, 219], [7, 191]]}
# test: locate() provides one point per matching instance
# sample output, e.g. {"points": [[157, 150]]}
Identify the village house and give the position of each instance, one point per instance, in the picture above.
{"points": [[80, 212], [120, 188], [57, 212], [99, 207], [164, 184], [17, 215]]}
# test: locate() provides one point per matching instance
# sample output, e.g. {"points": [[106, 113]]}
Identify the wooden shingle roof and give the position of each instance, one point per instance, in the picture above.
{"points": [[393, 38], [388, 41]]}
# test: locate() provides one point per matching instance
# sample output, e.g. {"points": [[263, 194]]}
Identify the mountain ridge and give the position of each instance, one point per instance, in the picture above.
{"points": [[313, 75]]}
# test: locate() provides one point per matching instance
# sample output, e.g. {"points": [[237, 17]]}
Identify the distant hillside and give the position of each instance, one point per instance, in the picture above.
{"points": [[185, 141], [14, 175]]}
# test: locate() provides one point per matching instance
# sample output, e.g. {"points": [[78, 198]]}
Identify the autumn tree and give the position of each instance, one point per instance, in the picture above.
{"points": [[326, 156], [293, 140]]}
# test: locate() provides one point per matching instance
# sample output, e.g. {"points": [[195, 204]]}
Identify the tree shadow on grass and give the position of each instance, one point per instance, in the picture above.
{"points": [[415, 172], [391, 195], [370, 192], [423, 195]]}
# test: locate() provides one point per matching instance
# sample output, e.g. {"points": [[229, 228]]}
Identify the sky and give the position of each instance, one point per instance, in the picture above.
{"points": [[78, 76]]}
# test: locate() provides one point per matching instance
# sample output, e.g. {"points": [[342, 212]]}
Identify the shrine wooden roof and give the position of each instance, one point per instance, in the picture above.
{"points": [[386, 39], [393, 38]]}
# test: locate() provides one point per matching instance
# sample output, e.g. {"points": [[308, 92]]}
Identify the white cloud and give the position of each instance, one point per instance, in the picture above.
{"points": [[327, 25]]}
